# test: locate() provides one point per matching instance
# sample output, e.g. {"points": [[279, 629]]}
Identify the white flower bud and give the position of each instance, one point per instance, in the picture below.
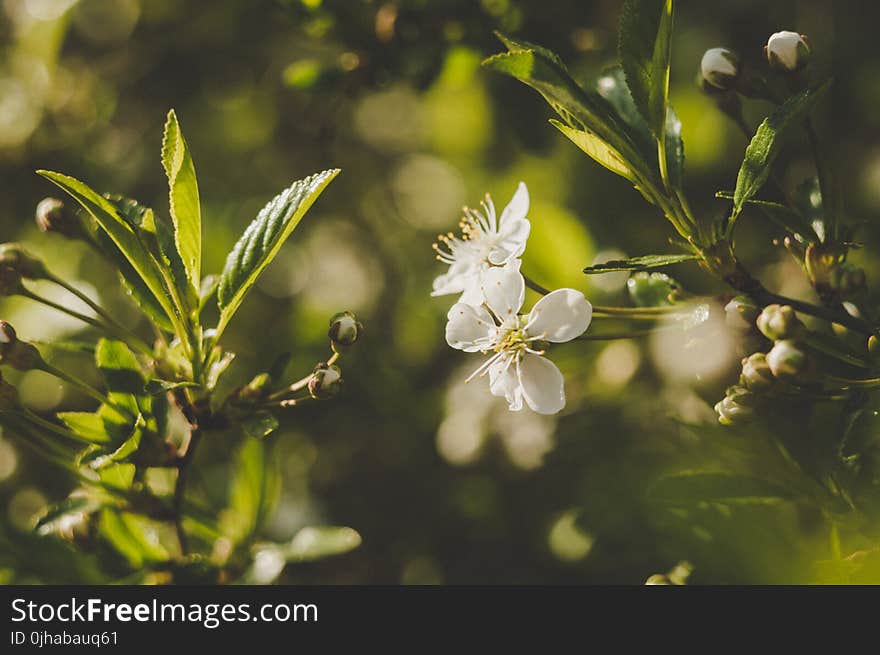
{"points": [[326, 381], [787, 361], [344, 329], [787, 51], [719, 67]]}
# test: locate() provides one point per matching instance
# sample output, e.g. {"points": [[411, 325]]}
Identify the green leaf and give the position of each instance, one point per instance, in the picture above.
{"points": [[100, 458], [254, 491], [765, 145], [259, 425], [183, 198], [782, 215], [715, 486], [157, 236], [263, 239], [134, 285], [119, 367], [611, 85], [644, 47], [88, 426], [133, 537], [643, 263], [597, 149], [580, 109], [61, 513], [674, 145], [314, 543], [121, 233]]}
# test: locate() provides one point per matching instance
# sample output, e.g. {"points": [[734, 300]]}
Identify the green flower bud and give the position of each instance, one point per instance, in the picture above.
{"points": [[344, 329], [18, 354], [652, 289], [326, 381], [27, 266], [740, 313], [778, 322], [53, 216], [719, 68], [756, 374], [787, 361], [787, 51]]}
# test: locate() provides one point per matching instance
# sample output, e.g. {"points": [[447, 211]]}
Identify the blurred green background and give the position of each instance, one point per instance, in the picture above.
{"points": [[442, 482]]}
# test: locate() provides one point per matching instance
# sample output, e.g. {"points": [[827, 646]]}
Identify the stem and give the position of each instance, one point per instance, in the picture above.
{"points": [[75, 382], [195, 436], [868, 383], [611, 336], [101, 312], [104, 327]]}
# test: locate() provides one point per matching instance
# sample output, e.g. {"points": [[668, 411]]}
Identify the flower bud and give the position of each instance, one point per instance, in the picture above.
{"points": [[18, 354], [731, 412], [344, 329], [756, 375], [719, 68], [740, 313], [652, 289], [786, 360], [13, 256], [326, 381], [787, 51], [52, 215], [778, 322]]}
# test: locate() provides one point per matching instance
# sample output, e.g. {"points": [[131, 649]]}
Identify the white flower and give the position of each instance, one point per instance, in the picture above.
{"points": [[517, 370], [787, 51], [719, 67], [485, 242]]}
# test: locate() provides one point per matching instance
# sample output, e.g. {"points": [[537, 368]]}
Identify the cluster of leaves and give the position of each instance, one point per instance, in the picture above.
{"points": [[132, 454]]}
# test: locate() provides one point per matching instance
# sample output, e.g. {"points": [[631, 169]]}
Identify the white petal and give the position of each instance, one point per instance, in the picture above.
{"points": [[561, 315], [518, 206], [504, 290], [447, 283], [542, 384], [511, 241], [504, 383], [473, 291], [468, 327]]}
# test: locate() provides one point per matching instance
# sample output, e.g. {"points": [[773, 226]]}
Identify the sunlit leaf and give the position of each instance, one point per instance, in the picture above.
{"points": [[122, 234], [596, 148], [643, 263], [765, 145], [254, 491], [263, 239], [183, 198]]}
